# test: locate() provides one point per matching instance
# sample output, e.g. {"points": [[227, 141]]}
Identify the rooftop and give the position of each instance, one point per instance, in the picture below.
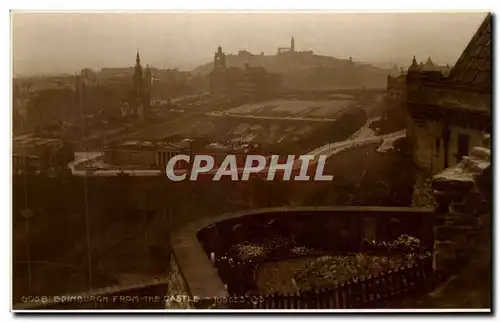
{"points": [[28, 145], [184, 144], [455, 98], [301, 109], [474, 65], [468, 85], [153, 145]]}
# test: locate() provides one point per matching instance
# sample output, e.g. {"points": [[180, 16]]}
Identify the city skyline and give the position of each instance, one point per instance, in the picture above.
{"points": [[50, 43], [297, 177]]}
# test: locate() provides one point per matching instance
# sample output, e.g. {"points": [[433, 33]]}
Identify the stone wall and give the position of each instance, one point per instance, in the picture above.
{"points": [[428, 143], [341, 229], [178, 293], [423, 195], [463, 216]]}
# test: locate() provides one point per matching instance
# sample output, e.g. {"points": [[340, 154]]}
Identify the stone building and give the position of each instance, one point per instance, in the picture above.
{"points": [[49, 102], [144, 154], [291, 49], [430, 65], [247, 82], [37, 104], [31, 154], [447, 115], [155, 154], [396, 88]]}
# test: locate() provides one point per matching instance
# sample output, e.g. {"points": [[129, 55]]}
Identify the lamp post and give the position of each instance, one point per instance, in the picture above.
{"points": [[27, 214], [87, 229], [79, 87]]}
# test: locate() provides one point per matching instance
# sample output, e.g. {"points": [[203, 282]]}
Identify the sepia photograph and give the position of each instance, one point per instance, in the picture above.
{"points": [[251, 161]]}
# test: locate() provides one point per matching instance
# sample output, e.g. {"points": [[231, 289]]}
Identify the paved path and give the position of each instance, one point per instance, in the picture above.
{"points": [[330, 149]]}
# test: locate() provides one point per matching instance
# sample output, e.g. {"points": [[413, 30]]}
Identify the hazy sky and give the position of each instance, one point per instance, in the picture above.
{"points": [[67, 42]]}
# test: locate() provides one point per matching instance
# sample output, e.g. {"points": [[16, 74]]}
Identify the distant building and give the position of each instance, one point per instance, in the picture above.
{"points": [[39, 102], [48, 102], [125, 92], [141, 100], [31, 154], [155, 154], [291, 49], [447, 115], [219, 78], [248, 82], [116, 72], [429, 66], [292, 52], [144, 154], [53, 106]]}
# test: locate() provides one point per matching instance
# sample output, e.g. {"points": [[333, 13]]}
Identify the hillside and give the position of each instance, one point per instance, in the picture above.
{"points": [[305, 69], [276, 63]]}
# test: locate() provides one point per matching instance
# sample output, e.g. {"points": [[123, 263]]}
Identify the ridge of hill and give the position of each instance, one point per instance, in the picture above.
{"points": [[287, 62], [308, 70]]}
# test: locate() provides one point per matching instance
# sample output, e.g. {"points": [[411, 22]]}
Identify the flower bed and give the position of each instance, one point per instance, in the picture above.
{"points": [[264, 249], [278, 265], [327, 271]]}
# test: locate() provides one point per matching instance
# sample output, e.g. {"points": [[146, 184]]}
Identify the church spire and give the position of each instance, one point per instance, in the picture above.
{"points": [[138, 76], [138, 67], [414, 66]]}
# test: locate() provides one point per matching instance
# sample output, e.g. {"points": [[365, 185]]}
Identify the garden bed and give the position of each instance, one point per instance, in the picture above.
{"points": [[327, 271], [279, 265]]}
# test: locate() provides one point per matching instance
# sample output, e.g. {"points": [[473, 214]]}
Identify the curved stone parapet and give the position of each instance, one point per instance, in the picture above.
{"points": [[196, 245]]}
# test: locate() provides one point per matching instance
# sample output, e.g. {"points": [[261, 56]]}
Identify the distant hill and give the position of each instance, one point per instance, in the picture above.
{"points": [[305, 69], [280, 63]]}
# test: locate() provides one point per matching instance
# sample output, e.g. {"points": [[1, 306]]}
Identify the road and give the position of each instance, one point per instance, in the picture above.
{"points": [[328, 150]]}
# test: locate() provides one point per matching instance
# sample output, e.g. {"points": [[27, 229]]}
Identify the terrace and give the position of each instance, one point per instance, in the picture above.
{"points": [[274, 253]]}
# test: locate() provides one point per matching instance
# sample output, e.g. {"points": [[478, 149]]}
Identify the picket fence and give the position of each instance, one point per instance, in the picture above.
{"points": [[362, 292]]}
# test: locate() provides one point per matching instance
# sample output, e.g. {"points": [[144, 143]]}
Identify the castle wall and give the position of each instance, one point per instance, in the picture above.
{"points": [[428, 144]]}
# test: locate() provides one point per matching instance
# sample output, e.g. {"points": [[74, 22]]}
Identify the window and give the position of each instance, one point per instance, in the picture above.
{"points": [[463, 146], [437, 147]]}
